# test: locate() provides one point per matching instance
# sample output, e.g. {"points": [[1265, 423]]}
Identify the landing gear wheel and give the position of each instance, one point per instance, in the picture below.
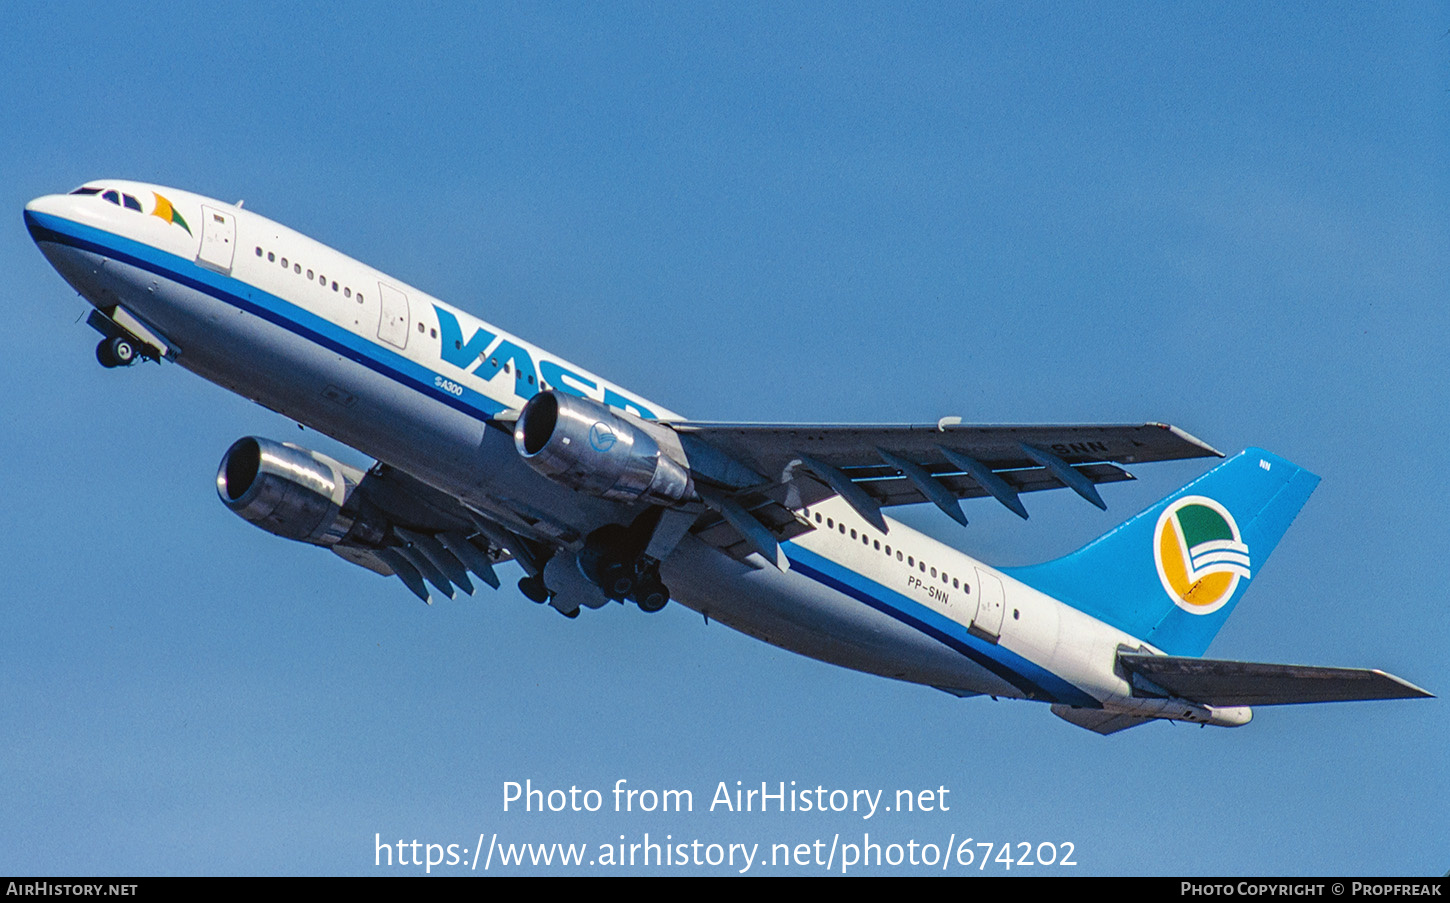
{"points": [[117, 352], [651, 597], [616, 579], [534, 588]]}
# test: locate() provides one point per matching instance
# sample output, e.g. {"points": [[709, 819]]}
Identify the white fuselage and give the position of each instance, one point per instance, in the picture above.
{"points": [[348, 351]]}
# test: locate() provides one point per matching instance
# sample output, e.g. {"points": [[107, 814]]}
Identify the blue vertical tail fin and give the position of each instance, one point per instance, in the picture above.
{"points": [[1173, 574]]}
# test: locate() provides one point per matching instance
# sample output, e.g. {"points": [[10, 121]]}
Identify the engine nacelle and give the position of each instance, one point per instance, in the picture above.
{"points": [[290, 491], [595, 449]]}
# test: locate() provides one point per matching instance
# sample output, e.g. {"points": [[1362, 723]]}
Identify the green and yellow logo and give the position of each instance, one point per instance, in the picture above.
{"points": [[1200, 555], [169, 213]]}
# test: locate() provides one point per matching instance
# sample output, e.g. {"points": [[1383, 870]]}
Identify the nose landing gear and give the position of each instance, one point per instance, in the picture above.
{"points": [[116, 352], [126, 339]]}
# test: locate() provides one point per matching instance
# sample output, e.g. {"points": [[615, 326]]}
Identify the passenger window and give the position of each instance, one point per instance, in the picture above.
{"points": [[259, 251], [297, 268], [955, 584], [309, 275], [271, 257], [284, 263], [346, 293]]}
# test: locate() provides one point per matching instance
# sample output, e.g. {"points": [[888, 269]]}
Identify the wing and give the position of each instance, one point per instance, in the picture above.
{"points": [[1225, 683], [403, 527], [416, 533], [765, 471], [383, 519]]}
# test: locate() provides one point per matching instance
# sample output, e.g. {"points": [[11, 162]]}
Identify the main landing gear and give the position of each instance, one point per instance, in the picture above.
{"points": [[610, 563], [116, 352], [534, 589], [638, 581], [651, 596], [613, 559]]}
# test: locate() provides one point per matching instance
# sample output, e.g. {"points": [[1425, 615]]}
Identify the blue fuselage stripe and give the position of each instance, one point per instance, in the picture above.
{"points": [[269, 307], [1034, 681]]}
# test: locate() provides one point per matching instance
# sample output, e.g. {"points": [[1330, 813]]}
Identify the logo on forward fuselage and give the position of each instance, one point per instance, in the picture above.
{"points": [[166, 211], [1200, 554]]}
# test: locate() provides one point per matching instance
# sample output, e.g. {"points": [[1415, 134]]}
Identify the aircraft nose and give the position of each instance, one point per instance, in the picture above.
{"points": [[37, 210]]}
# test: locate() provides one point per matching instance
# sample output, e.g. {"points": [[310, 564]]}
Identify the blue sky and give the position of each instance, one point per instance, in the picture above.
{"points": [[1228, 217]]}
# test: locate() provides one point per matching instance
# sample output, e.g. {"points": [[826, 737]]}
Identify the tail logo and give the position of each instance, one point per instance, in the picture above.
{"points": [[1200, 554]]}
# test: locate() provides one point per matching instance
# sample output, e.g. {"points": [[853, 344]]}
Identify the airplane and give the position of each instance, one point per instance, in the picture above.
{"points": [[488, 449]]}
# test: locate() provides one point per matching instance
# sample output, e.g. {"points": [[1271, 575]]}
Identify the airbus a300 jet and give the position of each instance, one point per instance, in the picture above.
{"points": [[489, 450]]}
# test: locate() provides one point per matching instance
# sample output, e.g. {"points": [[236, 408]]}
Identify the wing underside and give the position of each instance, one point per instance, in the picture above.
{"points": [[425, 537]]}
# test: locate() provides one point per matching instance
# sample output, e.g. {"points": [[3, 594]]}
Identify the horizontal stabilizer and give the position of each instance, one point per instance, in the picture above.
{"points": [[1098, 720], [1223, 683], [960, 694]]}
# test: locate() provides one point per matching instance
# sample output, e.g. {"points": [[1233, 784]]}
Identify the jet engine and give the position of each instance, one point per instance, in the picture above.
{"points": [[592, 448], [287, 490]]}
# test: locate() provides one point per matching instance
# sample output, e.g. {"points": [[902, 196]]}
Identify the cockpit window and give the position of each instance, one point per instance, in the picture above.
{"points": [[118, 198]]}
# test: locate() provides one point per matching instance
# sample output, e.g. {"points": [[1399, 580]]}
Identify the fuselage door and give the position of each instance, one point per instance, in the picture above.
{"points": [[393, 321], [991, 603], [218, 239]]}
